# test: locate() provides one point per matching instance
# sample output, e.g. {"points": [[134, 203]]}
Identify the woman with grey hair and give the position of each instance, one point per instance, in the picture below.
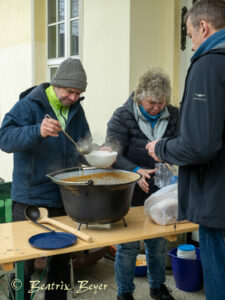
{"points": [[146, 116]]}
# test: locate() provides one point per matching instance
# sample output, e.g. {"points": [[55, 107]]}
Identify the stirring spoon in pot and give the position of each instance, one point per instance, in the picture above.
{"points": [[32, 213]]}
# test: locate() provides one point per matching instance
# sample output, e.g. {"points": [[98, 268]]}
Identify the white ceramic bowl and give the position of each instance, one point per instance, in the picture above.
{"points": [[101, 159]]}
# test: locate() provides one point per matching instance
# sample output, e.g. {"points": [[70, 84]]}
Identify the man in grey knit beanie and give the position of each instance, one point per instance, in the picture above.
{"points": [[70, 74], [37, 120]]}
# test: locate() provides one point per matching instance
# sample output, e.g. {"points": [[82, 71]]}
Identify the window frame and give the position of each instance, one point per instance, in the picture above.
{"points": [[55, 62]]}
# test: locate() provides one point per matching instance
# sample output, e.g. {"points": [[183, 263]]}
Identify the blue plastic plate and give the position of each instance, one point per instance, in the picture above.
{"points": [[52, 240]]}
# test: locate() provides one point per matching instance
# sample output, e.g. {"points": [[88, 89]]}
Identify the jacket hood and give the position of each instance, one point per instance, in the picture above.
{"points": [[219, 50], [35, 92]]}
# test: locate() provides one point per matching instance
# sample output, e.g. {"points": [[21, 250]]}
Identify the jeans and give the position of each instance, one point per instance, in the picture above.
{"points": [[58, 271], [125, 263], [212, 250]]}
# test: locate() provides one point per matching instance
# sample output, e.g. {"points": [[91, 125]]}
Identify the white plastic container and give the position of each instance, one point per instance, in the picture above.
{"points": [[186, 251]]}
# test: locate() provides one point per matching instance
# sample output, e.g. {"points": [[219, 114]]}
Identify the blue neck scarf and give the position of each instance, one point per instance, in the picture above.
{"points": [[151, 119], [212, 42]]}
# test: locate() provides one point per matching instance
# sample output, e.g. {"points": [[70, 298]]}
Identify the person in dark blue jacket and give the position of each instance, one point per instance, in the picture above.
{"points": [[146, 115], [40, 147], [199, 149]]}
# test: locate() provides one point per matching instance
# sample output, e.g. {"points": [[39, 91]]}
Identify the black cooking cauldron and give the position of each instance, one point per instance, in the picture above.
{"points": [[93, 195]]}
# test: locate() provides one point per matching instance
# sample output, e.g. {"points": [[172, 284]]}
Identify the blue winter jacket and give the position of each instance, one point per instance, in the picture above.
{"points": [[35, 156]]}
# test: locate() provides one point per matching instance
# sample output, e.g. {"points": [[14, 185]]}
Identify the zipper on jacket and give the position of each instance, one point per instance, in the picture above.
{"points": [[62, 115]]}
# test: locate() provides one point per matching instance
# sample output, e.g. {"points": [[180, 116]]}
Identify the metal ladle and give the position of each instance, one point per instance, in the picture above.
{"points": [[83, 151], [79, 149], [32, 213]]}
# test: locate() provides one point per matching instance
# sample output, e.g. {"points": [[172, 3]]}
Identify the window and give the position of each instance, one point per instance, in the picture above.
{"points": [[62, 32]]}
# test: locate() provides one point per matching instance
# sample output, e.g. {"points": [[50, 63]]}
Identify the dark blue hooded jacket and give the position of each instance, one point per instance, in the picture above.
{"points": [[199, 149], [35, 156]]}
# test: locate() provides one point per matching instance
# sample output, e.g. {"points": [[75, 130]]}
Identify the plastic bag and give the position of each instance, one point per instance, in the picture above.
{"points": [[165, 174], [162, 175], [162, 206]]}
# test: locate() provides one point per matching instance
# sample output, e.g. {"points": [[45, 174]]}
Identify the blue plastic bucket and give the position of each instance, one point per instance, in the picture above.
{"points": [[140, 271], [187, 272]]}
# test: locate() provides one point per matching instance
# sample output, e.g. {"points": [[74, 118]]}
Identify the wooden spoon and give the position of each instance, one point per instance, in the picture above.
{"points": [[44, 219]]}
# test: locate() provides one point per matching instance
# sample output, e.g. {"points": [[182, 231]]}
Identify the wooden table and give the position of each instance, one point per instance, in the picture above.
{"points": [[14, 246]]}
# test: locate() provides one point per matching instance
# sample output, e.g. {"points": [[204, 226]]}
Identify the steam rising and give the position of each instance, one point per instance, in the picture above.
{"points": [[87, 143]]}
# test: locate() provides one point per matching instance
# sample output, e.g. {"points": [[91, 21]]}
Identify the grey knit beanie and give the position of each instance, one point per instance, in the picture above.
{"points": [[70, 73]]}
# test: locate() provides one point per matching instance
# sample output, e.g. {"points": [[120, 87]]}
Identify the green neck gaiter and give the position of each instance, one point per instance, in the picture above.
{"points": [[60, 111]]}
